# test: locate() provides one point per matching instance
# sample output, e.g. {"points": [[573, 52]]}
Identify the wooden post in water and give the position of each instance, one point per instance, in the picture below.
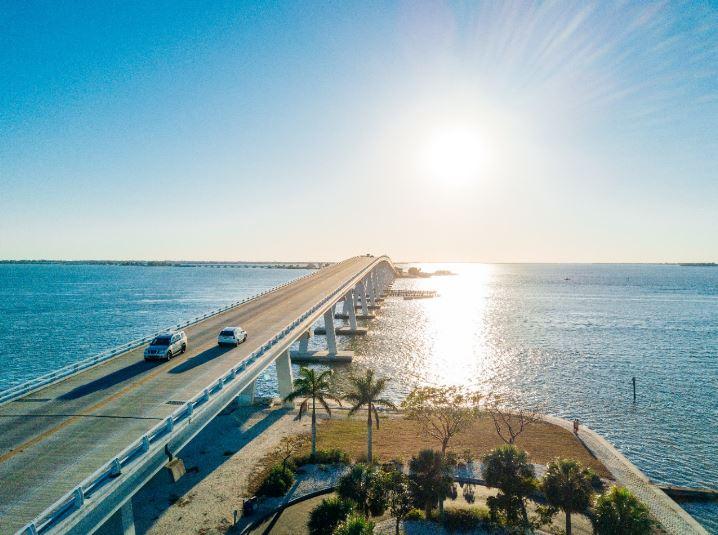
{"points": [[634, 389]]}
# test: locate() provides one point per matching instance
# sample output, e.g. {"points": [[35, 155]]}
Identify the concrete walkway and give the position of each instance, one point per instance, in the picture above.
{"points": [[671, 516]]}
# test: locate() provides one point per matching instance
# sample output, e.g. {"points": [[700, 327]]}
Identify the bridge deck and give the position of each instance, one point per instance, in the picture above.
{"points": [[54, 438]]}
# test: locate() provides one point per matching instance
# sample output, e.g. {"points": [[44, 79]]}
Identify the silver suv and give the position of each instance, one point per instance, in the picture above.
{"points": [[165, 346]]}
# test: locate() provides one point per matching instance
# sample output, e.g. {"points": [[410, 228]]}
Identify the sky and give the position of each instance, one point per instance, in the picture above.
{"points": [[435, 131]]}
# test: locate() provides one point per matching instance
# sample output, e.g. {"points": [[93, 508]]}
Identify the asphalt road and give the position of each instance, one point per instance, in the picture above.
{"points": [[54, 438]]}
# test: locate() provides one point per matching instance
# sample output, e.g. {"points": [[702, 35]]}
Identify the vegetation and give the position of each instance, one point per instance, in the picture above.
{"points": [[278, 481], [355, 525], [567, 486], [333, 456], [508, 469], [400, 439], [326, 516], [398, 497], [367, 487], [415, 515], [429, 479], [442, 412], [510, 423], [366, 392], [465, 518], [315, 388], [618, 512]]}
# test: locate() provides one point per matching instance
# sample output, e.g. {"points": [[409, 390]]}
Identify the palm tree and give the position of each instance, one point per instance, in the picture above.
{"points": [[317, 388], [567, 485], [365, 392], [508, 469], [618, 512]]}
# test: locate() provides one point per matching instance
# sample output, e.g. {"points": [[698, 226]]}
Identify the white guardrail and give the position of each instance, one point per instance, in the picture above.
{"points": [[129, 457]]}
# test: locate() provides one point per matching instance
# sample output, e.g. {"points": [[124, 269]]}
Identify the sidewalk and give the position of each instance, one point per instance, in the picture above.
{"points": [[671, 516]]}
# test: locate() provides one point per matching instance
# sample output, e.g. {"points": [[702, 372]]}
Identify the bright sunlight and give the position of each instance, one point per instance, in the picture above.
{"points": [[455, 154]]}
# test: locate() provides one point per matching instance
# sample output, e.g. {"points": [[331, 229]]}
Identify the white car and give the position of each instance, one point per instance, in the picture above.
{"points": [[165, 346], [231, 336]]}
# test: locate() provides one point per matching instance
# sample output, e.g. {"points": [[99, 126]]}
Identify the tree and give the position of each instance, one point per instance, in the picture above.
{"points": [[366, 391], [442, 412], [317, 388], [567, 485], [510, 423], [508, 469], [429, 479], [618, 512], [288, 447], [365, 486], [326, 516], [398, 497]]}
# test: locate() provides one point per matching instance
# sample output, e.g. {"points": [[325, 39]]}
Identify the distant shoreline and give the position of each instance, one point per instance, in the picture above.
{"points": [[173, 263]]}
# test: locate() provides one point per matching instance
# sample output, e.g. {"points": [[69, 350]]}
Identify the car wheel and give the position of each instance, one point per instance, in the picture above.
{"points": [[184, 348], [169, 355], [245, 337]]}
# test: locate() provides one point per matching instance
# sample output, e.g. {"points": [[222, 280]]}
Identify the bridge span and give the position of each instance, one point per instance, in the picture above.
{"points": [[73, 451]]}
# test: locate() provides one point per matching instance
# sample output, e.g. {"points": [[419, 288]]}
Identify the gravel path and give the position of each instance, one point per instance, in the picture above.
{"points": [[671, 516]]}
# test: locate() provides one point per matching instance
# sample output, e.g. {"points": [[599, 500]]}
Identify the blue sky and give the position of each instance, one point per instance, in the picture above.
{"points": [[496, 131]]}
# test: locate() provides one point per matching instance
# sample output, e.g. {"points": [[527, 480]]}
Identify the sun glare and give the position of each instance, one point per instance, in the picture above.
{"points": [[454, 154]]}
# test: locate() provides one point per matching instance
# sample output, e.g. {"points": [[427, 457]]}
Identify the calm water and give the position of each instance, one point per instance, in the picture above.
{"points": [[565, 337]]}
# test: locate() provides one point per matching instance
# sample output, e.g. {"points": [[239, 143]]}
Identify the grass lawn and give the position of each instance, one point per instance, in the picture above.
{"points": [[399, 438]]}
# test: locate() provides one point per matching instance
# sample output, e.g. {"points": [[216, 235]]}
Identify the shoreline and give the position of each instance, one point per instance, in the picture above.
{"points": [[228, 456]]}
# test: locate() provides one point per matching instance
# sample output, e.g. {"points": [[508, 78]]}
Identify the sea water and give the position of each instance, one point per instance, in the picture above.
{"points": [[565, 338]]}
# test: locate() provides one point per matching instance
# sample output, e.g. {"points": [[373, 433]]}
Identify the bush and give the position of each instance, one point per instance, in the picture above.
{"points": [[465, 519], [355, 525], [415, 514], [333, 456], [618, 512], [367, 487], [278, 481], [326, 516]]}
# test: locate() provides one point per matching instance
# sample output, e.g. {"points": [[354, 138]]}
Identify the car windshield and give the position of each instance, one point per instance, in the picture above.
{"points": [[227, 333], [161, 341]]}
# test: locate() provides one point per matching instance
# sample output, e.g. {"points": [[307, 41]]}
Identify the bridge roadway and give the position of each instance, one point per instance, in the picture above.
{"points": [[56, 437]]}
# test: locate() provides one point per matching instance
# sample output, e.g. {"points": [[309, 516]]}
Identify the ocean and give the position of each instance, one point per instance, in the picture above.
{"points": [[567, 338]]}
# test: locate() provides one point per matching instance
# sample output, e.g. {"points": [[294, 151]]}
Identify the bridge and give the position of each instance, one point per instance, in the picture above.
{"points": [[78, 443]]}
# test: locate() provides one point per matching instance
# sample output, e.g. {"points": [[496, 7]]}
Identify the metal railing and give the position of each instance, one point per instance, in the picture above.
{"points": [[130, 457]]}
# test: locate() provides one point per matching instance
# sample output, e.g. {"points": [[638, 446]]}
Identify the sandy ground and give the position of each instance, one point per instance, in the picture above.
{"points": [[219, 462]]}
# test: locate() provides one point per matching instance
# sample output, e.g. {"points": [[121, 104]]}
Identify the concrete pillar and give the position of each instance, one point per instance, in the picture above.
{"points": [[285, 380], [329, 326], [346, 304], [371, 292], [246, 397], [361, 292], [304, 341], [351, 310], [121, 523]]}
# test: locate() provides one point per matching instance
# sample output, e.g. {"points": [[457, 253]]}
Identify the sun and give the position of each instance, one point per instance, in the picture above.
{"points": [[454, 154]]}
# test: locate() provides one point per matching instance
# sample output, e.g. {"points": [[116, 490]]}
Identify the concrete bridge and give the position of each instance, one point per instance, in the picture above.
{"points": [[76, 446]]}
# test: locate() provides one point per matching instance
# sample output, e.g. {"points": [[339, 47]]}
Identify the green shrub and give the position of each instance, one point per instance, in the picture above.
{"points": [[465, 519], [415, 514], [326, 516], [333, 456], [278, 481], [355, 525], [619, 512]]}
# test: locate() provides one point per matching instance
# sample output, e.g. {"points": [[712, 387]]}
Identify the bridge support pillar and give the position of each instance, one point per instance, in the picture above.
{"points": [[304, 342], [329, 328], [121, 523], [361, 290], [246, 397], [285, 381], [351, 310]]}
